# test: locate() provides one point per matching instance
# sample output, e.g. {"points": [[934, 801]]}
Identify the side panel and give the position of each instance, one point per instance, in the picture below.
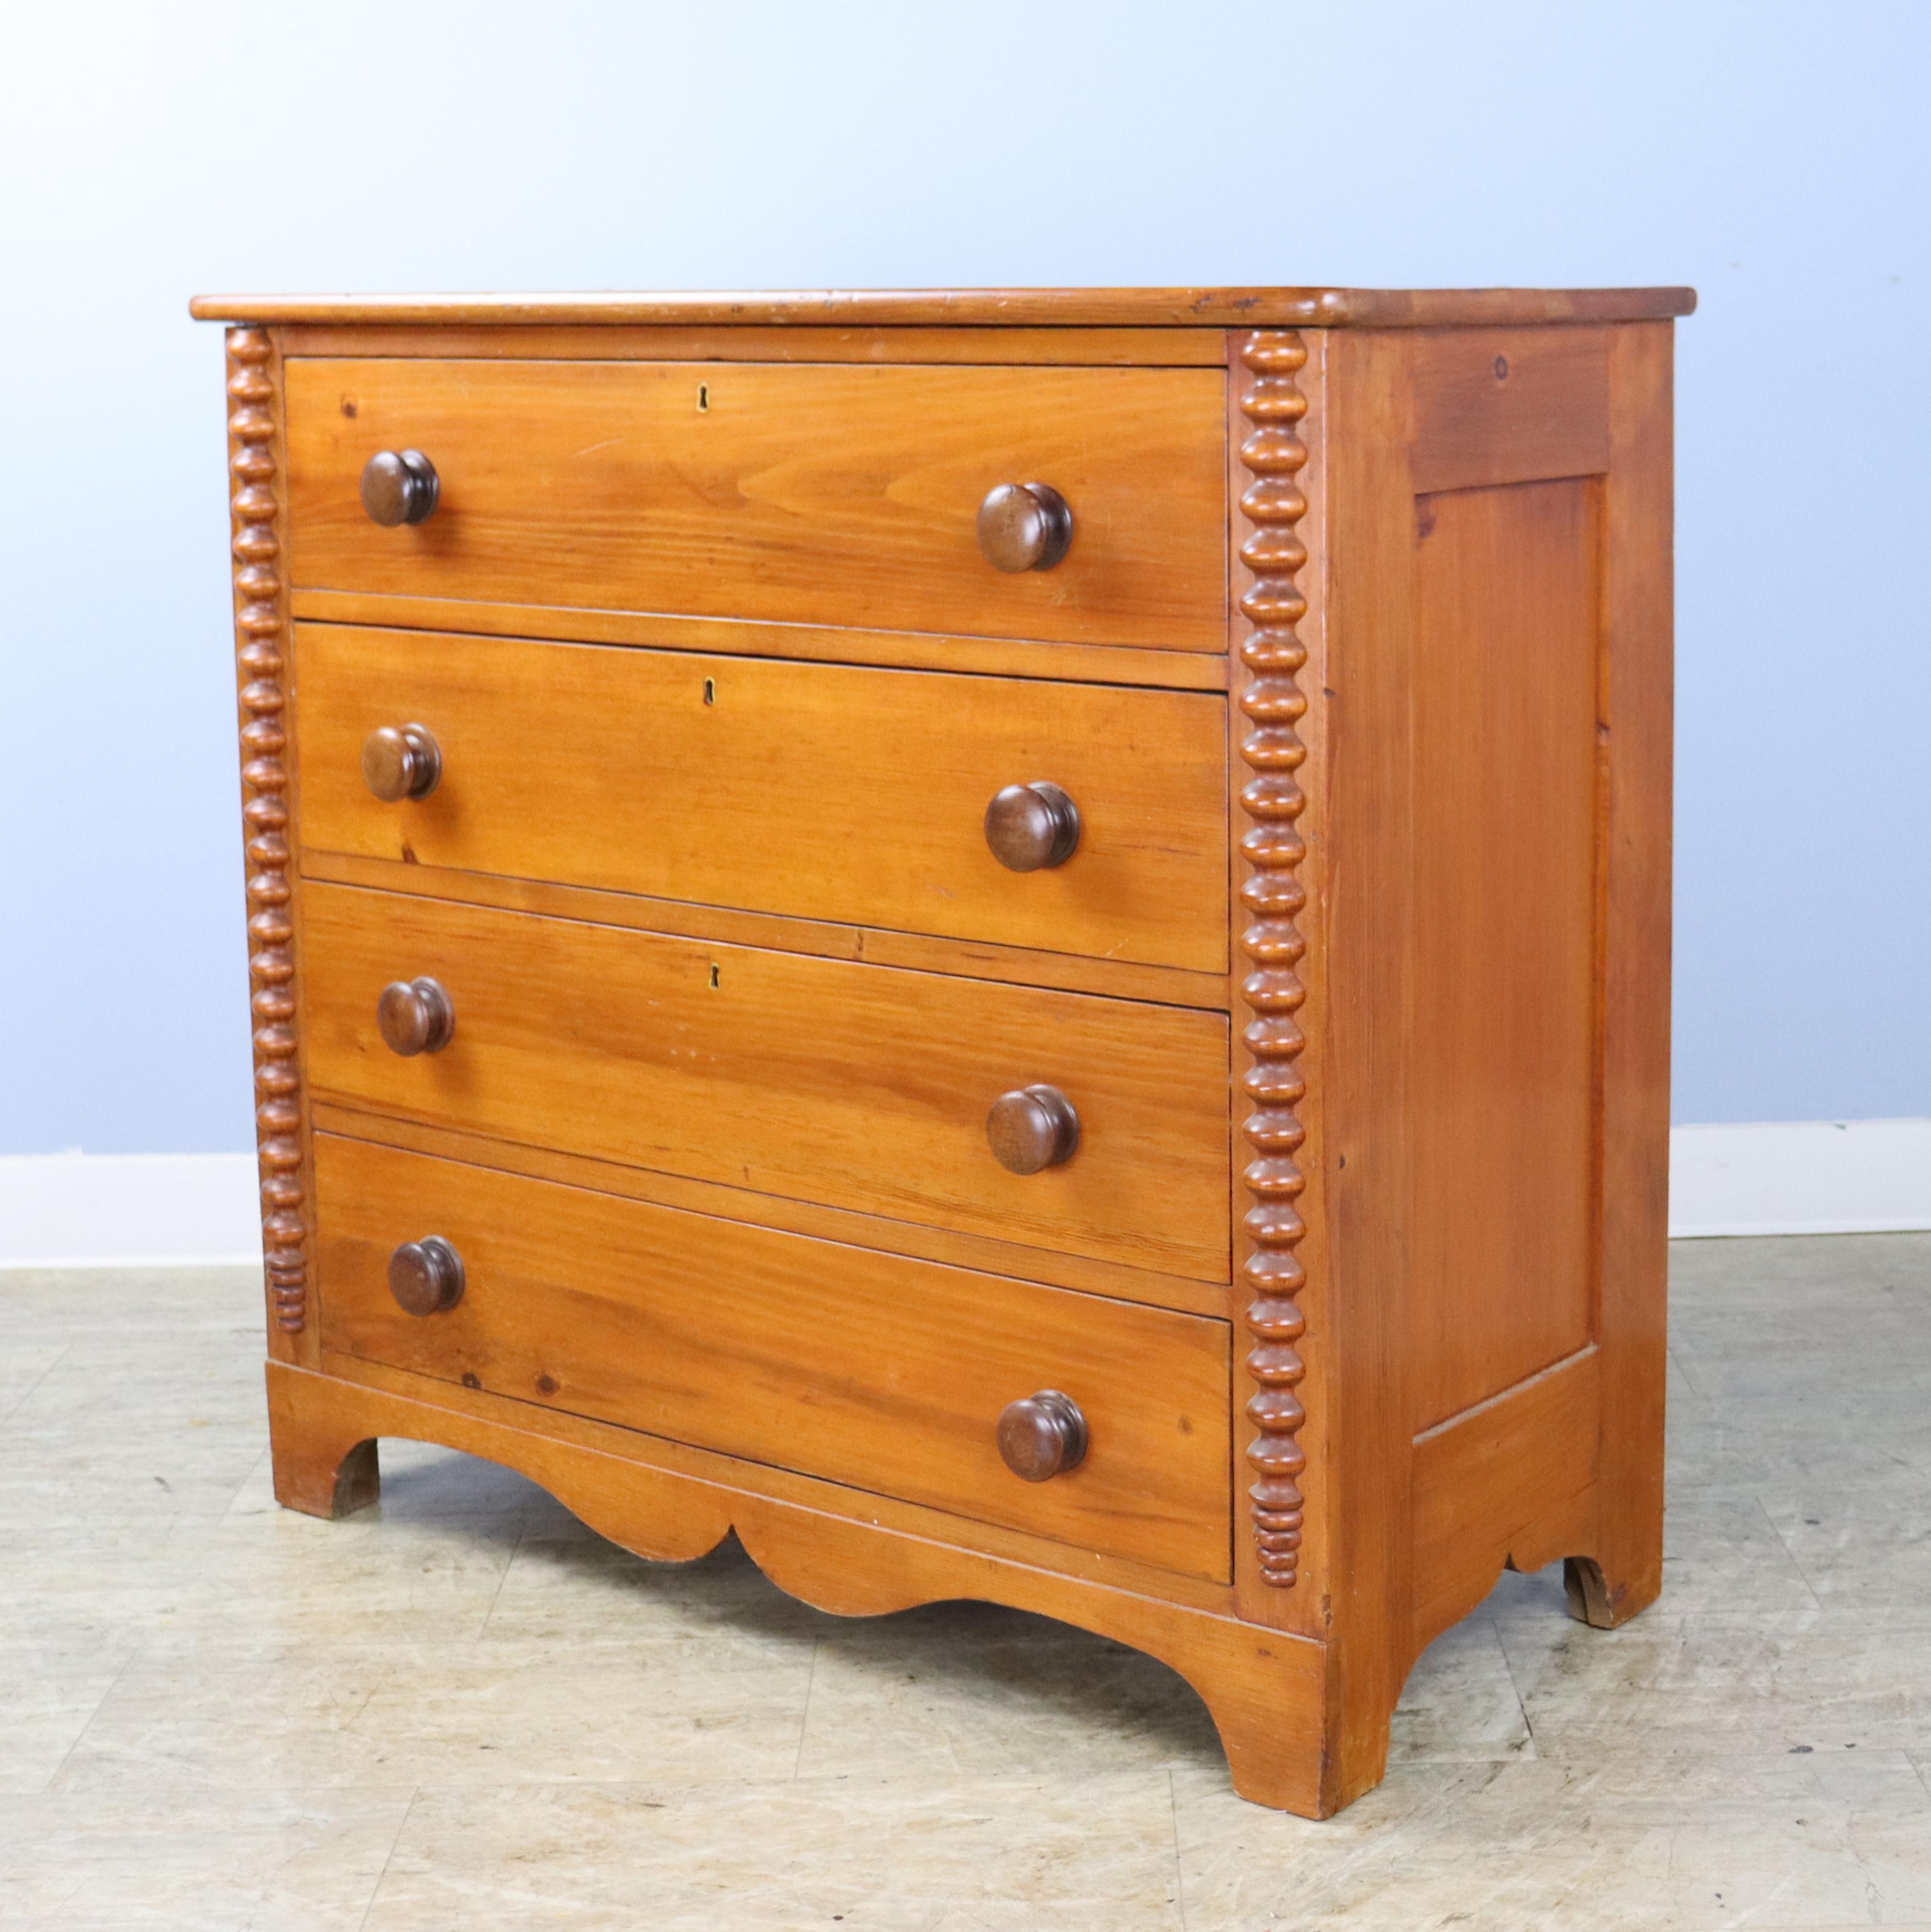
{"points": [[1495, 930], [1633, 1215], [1502, 1067]]}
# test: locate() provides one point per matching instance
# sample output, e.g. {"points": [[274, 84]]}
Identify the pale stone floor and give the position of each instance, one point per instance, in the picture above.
{"points": [[465, 1711]]}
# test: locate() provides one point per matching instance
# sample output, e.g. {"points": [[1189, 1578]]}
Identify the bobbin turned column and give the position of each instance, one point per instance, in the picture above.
{"points": [[1272, 703], [261, 648]]}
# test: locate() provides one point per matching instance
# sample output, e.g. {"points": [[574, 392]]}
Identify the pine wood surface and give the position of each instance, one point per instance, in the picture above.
{"points": [[1022, 1549], [794, 342], [763, 1345], [1214, 307], [811, 493], [989, 1253], [862, 1087], [738, 637], [1417, 751], [829, 792], [827, 939], [1632, 1218], [1264, 1690], [1503, 1087]]}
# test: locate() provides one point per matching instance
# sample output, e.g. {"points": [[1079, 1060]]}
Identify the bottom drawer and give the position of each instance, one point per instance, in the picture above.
{"points": [[871, 1369]]}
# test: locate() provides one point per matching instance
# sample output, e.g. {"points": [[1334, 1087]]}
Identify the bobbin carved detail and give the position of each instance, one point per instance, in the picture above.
{"points": [[260, 642], [1273, 703]]}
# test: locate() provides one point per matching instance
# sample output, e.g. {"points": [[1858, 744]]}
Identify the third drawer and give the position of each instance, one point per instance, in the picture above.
{"points": [[855, 1086]]}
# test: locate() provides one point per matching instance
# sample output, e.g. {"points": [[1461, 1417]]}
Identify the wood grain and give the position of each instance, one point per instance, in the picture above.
{"points": [[860, 1087], [815, 790], [1360, 1510], [640, 1315], [811, 493], [1503, 1062], [1155, 348], [1509, 406], [1633, 922], [986, 1253], [1218, 308], [827, 939], [737, 637], [1509, 1483], [1023, 1549], [736, 977], [1264, 1690]]}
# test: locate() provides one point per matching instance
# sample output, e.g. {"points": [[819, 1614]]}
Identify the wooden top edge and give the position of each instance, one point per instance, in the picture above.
{"points": [[1081, 308]]}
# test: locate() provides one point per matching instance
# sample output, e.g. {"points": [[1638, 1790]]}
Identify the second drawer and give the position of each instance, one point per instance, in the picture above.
{"points": [[865, 1087], [825, 791]]}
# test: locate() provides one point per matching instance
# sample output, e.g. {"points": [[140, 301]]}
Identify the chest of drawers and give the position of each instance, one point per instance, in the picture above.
{"points": [[1016, 944]]}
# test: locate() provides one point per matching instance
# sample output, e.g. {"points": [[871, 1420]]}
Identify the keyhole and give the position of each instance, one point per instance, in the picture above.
{"points": [[704, 397], [710, 691], [715, 970]]}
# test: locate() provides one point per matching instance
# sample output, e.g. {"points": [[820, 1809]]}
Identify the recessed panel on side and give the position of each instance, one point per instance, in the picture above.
{"points": [[1503, 1065]]}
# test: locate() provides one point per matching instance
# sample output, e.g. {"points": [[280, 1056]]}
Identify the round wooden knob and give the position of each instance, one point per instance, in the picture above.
{"points": [[1031, 1128], [401, 761], [1030, 826], [399, 486], [1025, 526], [415, 1016], [426, 1277], [1042, 1436]]}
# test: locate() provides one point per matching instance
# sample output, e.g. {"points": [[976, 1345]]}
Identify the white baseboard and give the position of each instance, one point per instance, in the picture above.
{"points": [[1800, 1177], [128, 1209], [174, 1210]]}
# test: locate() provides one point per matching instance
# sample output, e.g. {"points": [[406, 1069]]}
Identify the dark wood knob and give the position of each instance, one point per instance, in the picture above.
{"points": [[1031, 1128], [1030, 826], [426, 1277], [415, 1016], [1042, 1436], [1025, 526], [400, 486], [401, 761]]}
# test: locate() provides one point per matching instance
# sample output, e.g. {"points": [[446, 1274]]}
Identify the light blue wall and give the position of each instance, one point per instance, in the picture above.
{"points": [[1774, 155]]}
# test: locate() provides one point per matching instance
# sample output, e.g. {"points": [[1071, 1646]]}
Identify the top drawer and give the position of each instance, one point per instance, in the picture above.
{"points": [[798, 493]]}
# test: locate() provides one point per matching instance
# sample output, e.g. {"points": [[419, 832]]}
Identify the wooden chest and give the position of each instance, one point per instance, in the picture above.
{"points": [[1015, 943]]}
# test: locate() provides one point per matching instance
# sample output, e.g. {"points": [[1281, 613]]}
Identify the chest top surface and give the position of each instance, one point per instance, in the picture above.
{"points": [[1310, 306]]}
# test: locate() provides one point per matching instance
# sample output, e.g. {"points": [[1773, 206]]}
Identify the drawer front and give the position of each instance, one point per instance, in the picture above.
{"points": [[887, 1374], [799, 493], [860, 1087], [824, 791]]}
